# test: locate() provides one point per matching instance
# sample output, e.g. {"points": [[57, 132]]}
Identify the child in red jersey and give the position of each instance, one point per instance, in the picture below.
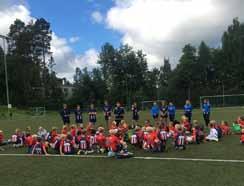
{"points": [[240, 121], [113, 125], [29, 142], [225, 128], [73, 131], [91, 140], [81, 142], [67, 145], [55, 145], [242, 137], [101, 139], [150, 140], [113, 142], [2, 142], [180, 138], [52, 135], [185, 123], [139, 134], [163, 137], [64, 130], [171, 129], [39, 147]]}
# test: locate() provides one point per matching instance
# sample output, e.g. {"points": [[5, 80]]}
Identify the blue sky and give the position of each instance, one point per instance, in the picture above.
{"points": [[160, 28], [74, 19]]}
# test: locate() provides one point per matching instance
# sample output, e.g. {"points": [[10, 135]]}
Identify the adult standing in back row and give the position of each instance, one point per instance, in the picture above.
{"points": [[206, 108], [188, 110], [171, 111], [65, 114], [118, 113]]}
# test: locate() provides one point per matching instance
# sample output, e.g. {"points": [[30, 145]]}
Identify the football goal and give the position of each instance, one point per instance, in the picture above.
{"points": [[38, 111], [234, 100]]}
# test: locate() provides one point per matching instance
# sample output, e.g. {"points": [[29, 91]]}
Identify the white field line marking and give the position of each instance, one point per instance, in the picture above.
{"points": [[140, 158]]}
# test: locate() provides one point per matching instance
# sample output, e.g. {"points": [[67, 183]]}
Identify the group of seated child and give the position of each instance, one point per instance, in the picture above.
{"points": [[155, 139], [79, 140]]}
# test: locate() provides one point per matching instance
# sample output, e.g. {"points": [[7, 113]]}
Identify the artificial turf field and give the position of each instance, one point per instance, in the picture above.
{"points": [[69, 171]]}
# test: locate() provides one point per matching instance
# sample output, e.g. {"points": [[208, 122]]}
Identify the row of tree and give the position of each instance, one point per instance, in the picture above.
{"points": [[123, 73], [32, 81]]}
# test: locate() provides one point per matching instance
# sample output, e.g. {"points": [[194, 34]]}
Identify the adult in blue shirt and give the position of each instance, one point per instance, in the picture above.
{"points": [[206, 108], [171, 111], [155, 112], [65, 114], [188, 110]]}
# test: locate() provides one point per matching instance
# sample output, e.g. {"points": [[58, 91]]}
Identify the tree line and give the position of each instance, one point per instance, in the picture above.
{"points": [[32, 80], [123, 73]]}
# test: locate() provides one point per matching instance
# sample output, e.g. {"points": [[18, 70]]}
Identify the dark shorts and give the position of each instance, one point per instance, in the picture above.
{"points": [[155, 116], [164, 116], [66, 121], [79, 121], [93, 121], [107, 117], [135, 118]]}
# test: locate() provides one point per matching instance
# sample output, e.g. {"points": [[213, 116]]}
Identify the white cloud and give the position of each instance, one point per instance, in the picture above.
{"points": [[9, 15], [97, 17], [66, 60], [162, 27], [88, 59], [74, 39]]}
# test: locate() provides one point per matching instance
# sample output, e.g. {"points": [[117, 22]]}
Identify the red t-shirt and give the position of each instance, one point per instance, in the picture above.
{"points": [[242, 138], [73, 132], [186, 125], [101, 140], [29, 141], [113, 142]]}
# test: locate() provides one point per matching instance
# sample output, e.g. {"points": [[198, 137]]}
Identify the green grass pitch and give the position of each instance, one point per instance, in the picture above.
{"points": [[63, 171]]}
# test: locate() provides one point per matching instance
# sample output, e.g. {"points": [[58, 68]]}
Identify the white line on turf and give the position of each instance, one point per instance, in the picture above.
{"points": [[141, 158]]}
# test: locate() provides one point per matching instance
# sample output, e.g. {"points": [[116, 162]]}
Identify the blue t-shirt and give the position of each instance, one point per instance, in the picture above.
{"points": [[206, 108], [154, 110], [188, 108], [171, 109]]}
